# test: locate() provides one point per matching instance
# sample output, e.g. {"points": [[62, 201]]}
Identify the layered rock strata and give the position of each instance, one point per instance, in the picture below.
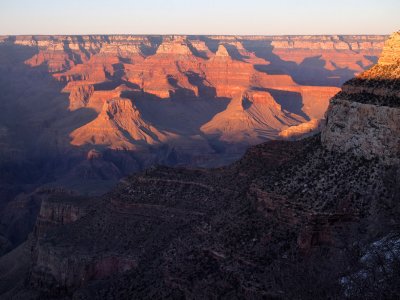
{"points": [[365, 117]]}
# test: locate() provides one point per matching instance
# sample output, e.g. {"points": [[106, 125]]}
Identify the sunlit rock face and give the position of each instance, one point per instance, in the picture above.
{"points": [[119, 122], [365, 117], [391, 53]]}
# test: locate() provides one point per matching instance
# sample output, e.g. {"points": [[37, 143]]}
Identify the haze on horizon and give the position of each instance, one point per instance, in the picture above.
{"points": [[251, 17]]}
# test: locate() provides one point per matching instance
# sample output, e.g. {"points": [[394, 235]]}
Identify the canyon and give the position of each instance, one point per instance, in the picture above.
{"points": [[177, 100], [288, 220], [78, 113]]}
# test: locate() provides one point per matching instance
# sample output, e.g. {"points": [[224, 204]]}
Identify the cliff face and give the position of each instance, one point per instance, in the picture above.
{"points": [[365, 117], [56, 270], [364, 129], [57, 211]]}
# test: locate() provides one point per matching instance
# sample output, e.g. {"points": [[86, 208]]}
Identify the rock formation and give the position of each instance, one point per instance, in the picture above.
{"points": [[254, 116], [118, 124]]}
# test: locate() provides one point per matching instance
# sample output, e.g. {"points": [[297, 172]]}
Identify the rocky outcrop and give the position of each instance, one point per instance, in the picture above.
{"points": [[254, 115], [59, 210], [80, 96], [302, 130], [18, 217], [119, 126], [390, 55], [57, 272], [364, 129], [364, 118]]}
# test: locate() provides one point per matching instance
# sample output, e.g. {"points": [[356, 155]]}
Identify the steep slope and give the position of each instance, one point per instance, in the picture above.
{"points": [[254, 116], [118, 126]]}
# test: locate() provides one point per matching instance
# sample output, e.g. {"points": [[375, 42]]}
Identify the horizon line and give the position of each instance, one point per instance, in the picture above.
{"points": [[195, 34]]}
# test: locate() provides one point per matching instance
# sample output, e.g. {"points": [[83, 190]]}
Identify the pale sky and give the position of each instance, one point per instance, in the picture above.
{"points": [[248, 17]]}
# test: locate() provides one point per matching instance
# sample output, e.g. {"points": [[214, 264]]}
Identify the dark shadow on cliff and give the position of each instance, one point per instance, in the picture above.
{"points": [[365, 90], [315, 69], [197, 53], [205, 90], [373, 59], [151, 49], [291, 102], [116, 79], [311, 71], [182, 113], [211, 44], [71, 55], [234, 53]]}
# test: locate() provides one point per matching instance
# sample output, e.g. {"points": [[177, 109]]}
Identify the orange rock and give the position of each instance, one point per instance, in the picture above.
{"points": [[118, 126], [272, 84]]}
